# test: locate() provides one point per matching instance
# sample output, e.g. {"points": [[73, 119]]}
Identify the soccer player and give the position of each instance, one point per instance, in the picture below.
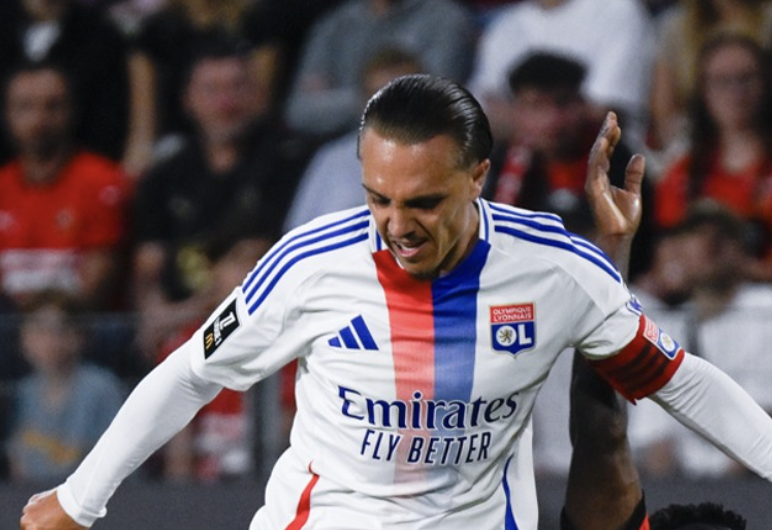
{"points": [[424, 326]]}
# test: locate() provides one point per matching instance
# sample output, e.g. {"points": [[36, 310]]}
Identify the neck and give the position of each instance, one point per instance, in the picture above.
{"points": [[222, 156], [44, 169]]}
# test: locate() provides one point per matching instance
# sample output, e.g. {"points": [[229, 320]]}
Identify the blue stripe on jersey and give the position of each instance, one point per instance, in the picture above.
{"points": [[289, 263], [364, 334], [524, 214], [509, 517], [454, 298], [278, 252], [575, 244]]}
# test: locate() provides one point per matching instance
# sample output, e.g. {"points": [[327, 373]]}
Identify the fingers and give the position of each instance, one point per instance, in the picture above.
{"points": [[634, 173], [603, 148]]}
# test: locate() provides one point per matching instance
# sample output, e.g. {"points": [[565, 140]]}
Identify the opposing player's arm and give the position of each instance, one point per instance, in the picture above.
{"points": [[616, 211], [604, 491]]}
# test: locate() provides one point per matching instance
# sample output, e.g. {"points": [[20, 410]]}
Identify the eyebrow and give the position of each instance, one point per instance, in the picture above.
{"points": [[413, 202]]}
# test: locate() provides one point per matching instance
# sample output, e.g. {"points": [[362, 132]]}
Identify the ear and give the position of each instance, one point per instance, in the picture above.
{"points": [[479, 172]]}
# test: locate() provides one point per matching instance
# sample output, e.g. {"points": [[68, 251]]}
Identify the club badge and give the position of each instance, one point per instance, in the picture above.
{"points": [[513, 327], [664, 343]]}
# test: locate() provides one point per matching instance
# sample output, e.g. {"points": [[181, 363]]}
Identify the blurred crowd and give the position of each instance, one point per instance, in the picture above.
{"points": [[153, 150]]}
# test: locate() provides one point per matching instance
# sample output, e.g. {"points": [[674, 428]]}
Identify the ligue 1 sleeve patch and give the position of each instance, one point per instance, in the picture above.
{"points": [[220, 329], [513, 327]]}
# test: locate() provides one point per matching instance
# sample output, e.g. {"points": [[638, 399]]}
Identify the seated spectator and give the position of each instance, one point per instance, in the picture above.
{"points": [[114, 117], [713, 249], [217, 202], [682, 31], [168, 38], [729, 158], [325, 98], [614, 40], [63, 406], [543, 167], [334, 172], [62, 208]]}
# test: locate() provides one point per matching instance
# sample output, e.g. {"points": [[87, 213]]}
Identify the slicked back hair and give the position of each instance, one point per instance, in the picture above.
{"points": [[415, 108]]}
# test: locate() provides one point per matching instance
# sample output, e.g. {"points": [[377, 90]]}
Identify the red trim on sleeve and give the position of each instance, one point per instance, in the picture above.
{"points": [[645, 365], [304, 504]]}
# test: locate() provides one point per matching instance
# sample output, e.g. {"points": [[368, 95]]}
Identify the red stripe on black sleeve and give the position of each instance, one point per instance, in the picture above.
{"points": [[643, 366]]}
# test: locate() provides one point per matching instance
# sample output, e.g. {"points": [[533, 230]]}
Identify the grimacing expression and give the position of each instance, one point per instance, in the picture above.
{"points": [[422, 200]]}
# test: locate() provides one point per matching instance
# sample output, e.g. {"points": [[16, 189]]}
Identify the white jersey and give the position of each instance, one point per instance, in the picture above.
{"points": [[414, 397]]}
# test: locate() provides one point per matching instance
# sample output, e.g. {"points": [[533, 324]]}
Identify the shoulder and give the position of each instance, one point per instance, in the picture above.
{"points": [[329, 243], [99, 380], [95, 172], [542, 236]]}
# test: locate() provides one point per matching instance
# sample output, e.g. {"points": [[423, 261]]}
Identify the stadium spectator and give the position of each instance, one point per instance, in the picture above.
{"points": [[614, 40], [168, 38], [544, 165], [218, 202], [713, 251], [729, 157], [325, 99], [108, 89], [63, 406], [682, 31], [62, 208], [334, 172]]}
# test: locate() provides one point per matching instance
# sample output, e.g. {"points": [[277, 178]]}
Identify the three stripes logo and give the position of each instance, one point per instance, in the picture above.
{"points": [[355, 336]]}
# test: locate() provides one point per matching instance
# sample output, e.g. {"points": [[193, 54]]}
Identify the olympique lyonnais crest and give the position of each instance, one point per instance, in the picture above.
{"points": [[654, 334], [513, 327]]}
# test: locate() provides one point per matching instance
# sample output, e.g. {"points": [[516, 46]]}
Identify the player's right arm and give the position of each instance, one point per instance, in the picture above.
{"points": [[161, 405]]}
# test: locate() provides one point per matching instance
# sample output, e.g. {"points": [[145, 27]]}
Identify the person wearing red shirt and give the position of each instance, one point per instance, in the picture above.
{"points": [[728, 159], [62, 209]]}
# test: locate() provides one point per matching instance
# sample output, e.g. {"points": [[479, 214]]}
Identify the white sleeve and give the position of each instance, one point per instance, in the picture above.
{"points": [[160, 406], [709, 402]]}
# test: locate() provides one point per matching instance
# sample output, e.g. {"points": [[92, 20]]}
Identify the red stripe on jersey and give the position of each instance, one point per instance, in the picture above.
{"points": [[411, 318], [642, 367], [304, 504]]}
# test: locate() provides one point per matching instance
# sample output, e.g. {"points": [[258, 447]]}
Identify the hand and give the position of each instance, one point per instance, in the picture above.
{"points": [[43, 512], [617, 212]]}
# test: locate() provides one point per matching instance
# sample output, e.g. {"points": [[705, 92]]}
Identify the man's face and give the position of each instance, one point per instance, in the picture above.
{"points": [[219, 98], [38, 111], [422, 201], [550, 121]]}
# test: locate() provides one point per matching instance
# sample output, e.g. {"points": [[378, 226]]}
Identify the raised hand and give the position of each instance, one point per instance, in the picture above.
{"points": [[616, 211]]}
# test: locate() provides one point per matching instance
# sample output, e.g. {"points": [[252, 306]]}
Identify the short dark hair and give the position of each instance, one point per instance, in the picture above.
{"points": [[726, 225], [213, 44], [547, 71], [705, 516], [416, 108], [33, 67]]}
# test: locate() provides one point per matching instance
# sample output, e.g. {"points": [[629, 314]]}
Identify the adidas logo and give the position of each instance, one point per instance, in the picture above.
{"points": [[355, 336]]}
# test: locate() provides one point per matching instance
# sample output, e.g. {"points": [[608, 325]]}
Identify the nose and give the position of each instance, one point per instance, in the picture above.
{"points": [[400, 223]]}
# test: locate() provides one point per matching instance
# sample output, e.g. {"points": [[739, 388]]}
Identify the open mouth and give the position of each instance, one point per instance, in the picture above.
{"points": [[407, 250]]}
